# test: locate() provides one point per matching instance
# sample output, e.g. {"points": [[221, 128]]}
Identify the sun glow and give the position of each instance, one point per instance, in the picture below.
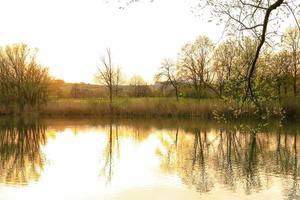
{"points": [[72, 35], [75, 163], [120, 162]]}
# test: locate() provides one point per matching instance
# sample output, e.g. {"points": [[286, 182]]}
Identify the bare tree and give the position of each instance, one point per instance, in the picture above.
{"points": [[194, 64], [168, 72], [107, 74]]}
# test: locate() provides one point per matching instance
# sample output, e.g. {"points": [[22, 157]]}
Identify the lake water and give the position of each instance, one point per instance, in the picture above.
{"points": [[141, 159]]}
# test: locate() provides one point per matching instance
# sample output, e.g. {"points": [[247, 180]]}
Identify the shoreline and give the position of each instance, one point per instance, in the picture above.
{"points": [[151, 107]]}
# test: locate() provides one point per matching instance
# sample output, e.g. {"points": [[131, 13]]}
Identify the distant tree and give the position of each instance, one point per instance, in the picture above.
{"points": [[107, 74], [291, 42], [139, 86], [56, 86], [168, 73], [75, 91], [118, 80], [22, 80]]}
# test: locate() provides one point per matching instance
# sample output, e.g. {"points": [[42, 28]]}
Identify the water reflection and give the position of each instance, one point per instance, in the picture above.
{"points": [[21, 160], [236, 160], [111, 146], [130, 160]]}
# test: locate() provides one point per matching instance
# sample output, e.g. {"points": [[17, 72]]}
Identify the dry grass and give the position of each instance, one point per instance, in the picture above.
{"points": [[204, 108], [138, 107]]}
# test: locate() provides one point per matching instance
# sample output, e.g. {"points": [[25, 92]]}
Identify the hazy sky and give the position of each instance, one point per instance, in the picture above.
{"points": [[73, 34]]}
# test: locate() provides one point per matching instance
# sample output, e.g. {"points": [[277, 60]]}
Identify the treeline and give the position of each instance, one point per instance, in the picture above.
{"points": [[205, 70], [136, 87], [222, 70]]}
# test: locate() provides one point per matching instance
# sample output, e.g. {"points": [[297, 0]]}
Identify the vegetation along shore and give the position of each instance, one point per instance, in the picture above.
{"points": [[206, 80]]}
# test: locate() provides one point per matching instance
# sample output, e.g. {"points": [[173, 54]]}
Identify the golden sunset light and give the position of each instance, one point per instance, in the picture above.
{"points": [[72, 35], [149, 99]]}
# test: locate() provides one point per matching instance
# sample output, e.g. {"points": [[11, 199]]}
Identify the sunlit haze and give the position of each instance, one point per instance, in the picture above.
{"points": [[72, 35]]}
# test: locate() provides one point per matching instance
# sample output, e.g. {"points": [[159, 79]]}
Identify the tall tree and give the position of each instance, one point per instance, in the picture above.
{"points": [[231, 61], [291, 42], [194, 63], [225, 63]]}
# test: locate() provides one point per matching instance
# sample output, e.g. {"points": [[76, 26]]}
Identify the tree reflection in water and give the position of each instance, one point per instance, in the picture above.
{"points": [[234, 159], [108, 155], [204, 158], [21, 159]]}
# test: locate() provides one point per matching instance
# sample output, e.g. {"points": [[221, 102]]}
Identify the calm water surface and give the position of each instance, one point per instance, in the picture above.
{"points": [[146, 159]]}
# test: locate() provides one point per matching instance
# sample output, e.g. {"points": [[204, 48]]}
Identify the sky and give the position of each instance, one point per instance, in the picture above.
{"points": [[73, 35]]}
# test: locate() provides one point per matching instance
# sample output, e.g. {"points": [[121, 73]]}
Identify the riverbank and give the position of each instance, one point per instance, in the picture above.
{"points": [[162, 107]]}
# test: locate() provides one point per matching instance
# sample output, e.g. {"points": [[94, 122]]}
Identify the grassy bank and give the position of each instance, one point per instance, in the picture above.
{"points": [[203, 108], [134, 107], [190, 108]]}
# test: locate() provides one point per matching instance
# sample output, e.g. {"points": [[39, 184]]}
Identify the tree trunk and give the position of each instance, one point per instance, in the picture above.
{"points": [[176, 92], [295, 74], [285, 89], [117, 90], [295, 86], [221, 90], [110, 98], [295, 82], [278, 89]]}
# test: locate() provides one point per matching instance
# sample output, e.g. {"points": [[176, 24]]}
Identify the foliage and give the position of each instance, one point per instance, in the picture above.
{"points": [[22, 80]]}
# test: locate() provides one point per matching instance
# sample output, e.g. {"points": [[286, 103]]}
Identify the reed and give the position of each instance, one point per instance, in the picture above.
{"points": [[203, 108], [169, 107]]}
